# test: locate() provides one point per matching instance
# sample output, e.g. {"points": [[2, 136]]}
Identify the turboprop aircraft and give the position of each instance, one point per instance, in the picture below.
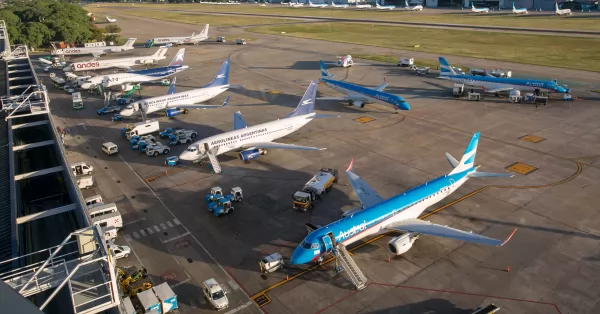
{"points": [[399, 213], [253, 141], [95, 51], [417, 7], [476, 10], [519, 11], [358, 95], [123, 63], [109, 20], [174, 103], [180, 40]]}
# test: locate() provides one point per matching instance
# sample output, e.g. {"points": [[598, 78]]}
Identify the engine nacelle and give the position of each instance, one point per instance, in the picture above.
{"points": [[148, 61], [357, 103], [400, 245], [175, 112], [126, 87], [249, 154]]}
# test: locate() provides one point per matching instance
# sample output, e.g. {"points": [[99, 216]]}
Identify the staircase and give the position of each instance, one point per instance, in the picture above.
{"points": [[214, 161], [356, 276]]}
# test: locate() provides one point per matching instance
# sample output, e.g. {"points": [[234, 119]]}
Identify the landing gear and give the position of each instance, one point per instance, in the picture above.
{"points": [[263, 151]]}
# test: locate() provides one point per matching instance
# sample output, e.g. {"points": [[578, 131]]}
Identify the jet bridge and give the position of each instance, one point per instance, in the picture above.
{"points": [[82, 262]]}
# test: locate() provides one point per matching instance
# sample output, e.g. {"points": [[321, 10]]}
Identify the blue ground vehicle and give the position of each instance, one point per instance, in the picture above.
{"points": [[220, 204], [168, 131], [108, 109]]}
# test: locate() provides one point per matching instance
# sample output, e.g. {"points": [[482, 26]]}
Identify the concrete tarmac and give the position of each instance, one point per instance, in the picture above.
{"points": [[549, 266]]}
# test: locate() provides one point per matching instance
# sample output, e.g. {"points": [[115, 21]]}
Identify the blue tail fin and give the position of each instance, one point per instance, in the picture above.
{"points": [[468, 159], [178, 60], [307, 103], [324, 71], [445, 67], [172, 89], [222, 77]]}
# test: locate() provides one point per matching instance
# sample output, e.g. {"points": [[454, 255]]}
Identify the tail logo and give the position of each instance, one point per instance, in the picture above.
{"points": [[220, 76], [307, 102]]}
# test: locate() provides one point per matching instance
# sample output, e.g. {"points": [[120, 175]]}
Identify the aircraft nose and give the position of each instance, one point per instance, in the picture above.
{"points": [[403, 105], [125, 112], [299, 257], [186, 156]]}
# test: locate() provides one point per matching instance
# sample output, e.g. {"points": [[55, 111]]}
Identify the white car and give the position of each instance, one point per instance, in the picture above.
{"points": [[215, 294], [120, 251]]}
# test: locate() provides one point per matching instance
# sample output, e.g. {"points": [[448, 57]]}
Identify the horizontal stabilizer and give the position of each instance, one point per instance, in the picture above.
{"points": [[453, 162], [489, 174], [332, 98], [322, 116]]}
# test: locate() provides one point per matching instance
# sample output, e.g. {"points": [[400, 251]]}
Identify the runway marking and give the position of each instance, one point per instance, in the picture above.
{"points": [[127, 237], [173, 286], [156, 228], [136, 235], [169, 224], [134, 221], [175, 237], [176, 221], [261, 299], [233, 285], [143, 232], [163, 226], [150, 231], [239, 308]]}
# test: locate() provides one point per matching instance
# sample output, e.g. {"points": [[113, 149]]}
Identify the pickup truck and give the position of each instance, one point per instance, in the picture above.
{"points": [[157, 149], [108, 109]]}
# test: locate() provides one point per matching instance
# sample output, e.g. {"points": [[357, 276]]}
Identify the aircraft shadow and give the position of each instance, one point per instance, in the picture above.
{"points": [[431, 306]]}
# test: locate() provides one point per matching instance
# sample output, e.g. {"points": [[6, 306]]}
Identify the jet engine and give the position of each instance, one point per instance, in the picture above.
{"points": [[250, 154], [126, 87], [400, 245], [172, 112], [357, 103]]}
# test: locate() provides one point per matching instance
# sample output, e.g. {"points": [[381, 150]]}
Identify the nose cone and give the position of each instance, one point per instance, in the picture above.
{"points": [[301, 256], [189, 156], [85, 86], [183, 67], [126, 112], [403, 105]]}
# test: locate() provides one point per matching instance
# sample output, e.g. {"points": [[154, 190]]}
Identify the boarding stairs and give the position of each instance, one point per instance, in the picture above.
{"points": [[356, 276], [34, 99], [213, 160]]}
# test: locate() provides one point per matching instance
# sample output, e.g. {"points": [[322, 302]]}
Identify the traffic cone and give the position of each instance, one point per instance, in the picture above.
{"points": [[287, 277], [389, 259], [508, 269]]}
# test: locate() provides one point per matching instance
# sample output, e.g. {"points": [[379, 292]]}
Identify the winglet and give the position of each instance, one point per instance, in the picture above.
{"points": [[225, 102], [351, 165], [509, 237]]}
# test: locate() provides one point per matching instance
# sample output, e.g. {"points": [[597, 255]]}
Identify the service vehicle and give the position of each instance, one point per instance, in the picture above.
{"points": [[85, 182], [221, 39], [77, 100], [93, 200], [167, 297], [236, 194], [110, 148], [101, 209], [81, 168], [422, 71], [240, 41], [141, 128], [172, 161], [271, 263], [169, 131], [57, 80], [110, 233], [406, 62], [315, 189], [473, 96], [157, 149], [179, 138], [120, 251], [144, 145], [458, 90], [173, 112], [215, 294], [345, 61], [220, 206], [108, 109], [135, 140], [113, 219]]}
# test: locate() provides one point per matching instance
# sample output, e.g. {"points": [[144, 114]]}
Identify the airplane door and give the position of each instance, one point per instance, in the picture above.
{"points": [[204, 148], [327, 243]]}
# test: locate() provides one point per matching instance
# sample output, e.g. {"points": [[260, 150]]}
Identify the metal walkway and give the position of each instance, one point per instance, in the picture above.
{"points": [[356, 276]]}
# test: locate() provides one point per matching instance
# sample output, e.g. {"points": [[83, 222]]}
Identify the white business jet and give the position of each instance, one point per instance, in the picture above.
{"points": [[95, 51], [123, 63], [333, 5], [183, 100], [180, 40], [563, 11], [476, 10], [417, 7], [254, 141], [519, 11], [109, 20]]}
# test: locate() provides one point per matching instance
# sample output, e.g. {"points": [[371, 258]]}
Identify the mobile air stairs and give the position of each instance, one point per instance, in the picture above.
{"points": [[82, 262], [346, 262], [212, 157]]}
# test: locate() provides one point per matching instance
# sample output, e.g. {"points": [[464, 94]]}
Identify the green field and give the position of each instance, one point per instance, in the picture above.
{"points": [[529, 21], [565, 52]]}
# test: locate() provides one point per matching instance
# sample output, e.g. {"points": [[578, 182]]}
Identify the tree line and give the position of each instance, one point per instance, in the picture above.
{"points": [[37, 23]]}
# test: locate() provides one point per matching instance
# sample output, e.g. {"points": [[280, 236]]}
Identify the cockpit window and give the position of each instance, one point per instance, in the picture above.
{"points": [[129, 107], [191, 149], [305, 245], [314, 246]]}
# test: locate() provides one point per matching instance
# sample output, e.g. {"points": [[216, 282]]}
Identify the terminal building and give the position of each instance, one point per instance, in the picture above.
{"points": [[51, 259]]}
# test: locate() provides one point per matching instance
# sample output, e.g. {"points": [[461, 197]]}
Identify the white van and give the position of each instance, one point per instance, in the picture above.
{"points": [[98, 210], [85, 182], [142, 128], [108, 220], [110, 233], [93, 200], [81, 168], [110, 148]]}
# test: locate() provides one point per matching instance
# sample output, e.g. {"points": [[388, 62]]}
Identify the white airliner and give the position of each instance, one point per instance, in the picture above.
{"points": [[417, 7], [363, 6], [254, 141], [476, 10], [180, 40], [185, 100], [518, 11], [140, 76], [384, 7], [296, 4], [123, 63], [109, 20], [312, 5], [563, 11], [95, 51], [333, 5]]}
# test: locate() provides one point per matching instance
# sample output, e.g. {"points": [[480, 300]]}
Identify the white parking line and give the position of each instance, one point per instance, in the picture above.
{"points": [[175, 237], [134, 221], [179, 283], [169, 224], [176, 221], [127, 237], [136, 235], [233, 285], [239, 308], [156, 228], [163, 226], [150, 231]]}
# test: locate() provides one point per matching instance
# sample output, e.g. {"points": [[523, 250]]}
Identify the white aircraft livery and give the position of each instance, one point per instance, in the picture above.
{"points": [[172, 102], [417, 7], [96, 51], [558, 11], [180, 40], [254, 141], [123, 63], [109, 20]]}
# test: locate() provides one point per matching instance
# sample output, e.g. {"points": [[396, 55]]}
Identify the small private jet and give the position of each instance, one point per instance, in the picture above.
{"points": [[417, 7], [518, 11], [481, 10], [296, 4]]}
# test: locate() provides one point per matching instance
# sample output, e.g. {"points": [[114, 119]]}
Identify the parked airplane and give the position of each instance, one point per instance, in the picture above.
{"points": [[563, 11], [358, 95], [184, 100], [140, 76], [417, 7], [519, 11], [383, 7], [397, 214], [496, 85], [333, 5], [95, 51], [180, 40], [296, 4], [312, 5], [254, 141], [109, 20], [124, 63], [482, 10], [362, 6]]}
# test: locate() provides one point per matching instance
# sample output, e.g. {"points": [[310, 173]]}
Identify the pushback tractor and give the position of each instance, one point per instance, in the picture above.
{"points": [[315, 189], [220, 204]]}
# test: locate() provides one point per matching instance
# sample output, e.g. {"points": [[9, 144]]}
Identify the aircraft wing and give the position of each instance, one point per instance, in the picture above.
{"points": [[238, 121], [96, 55], [427, 227], [198, 106], [498, 89], [267, 145], [366, 195]]}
